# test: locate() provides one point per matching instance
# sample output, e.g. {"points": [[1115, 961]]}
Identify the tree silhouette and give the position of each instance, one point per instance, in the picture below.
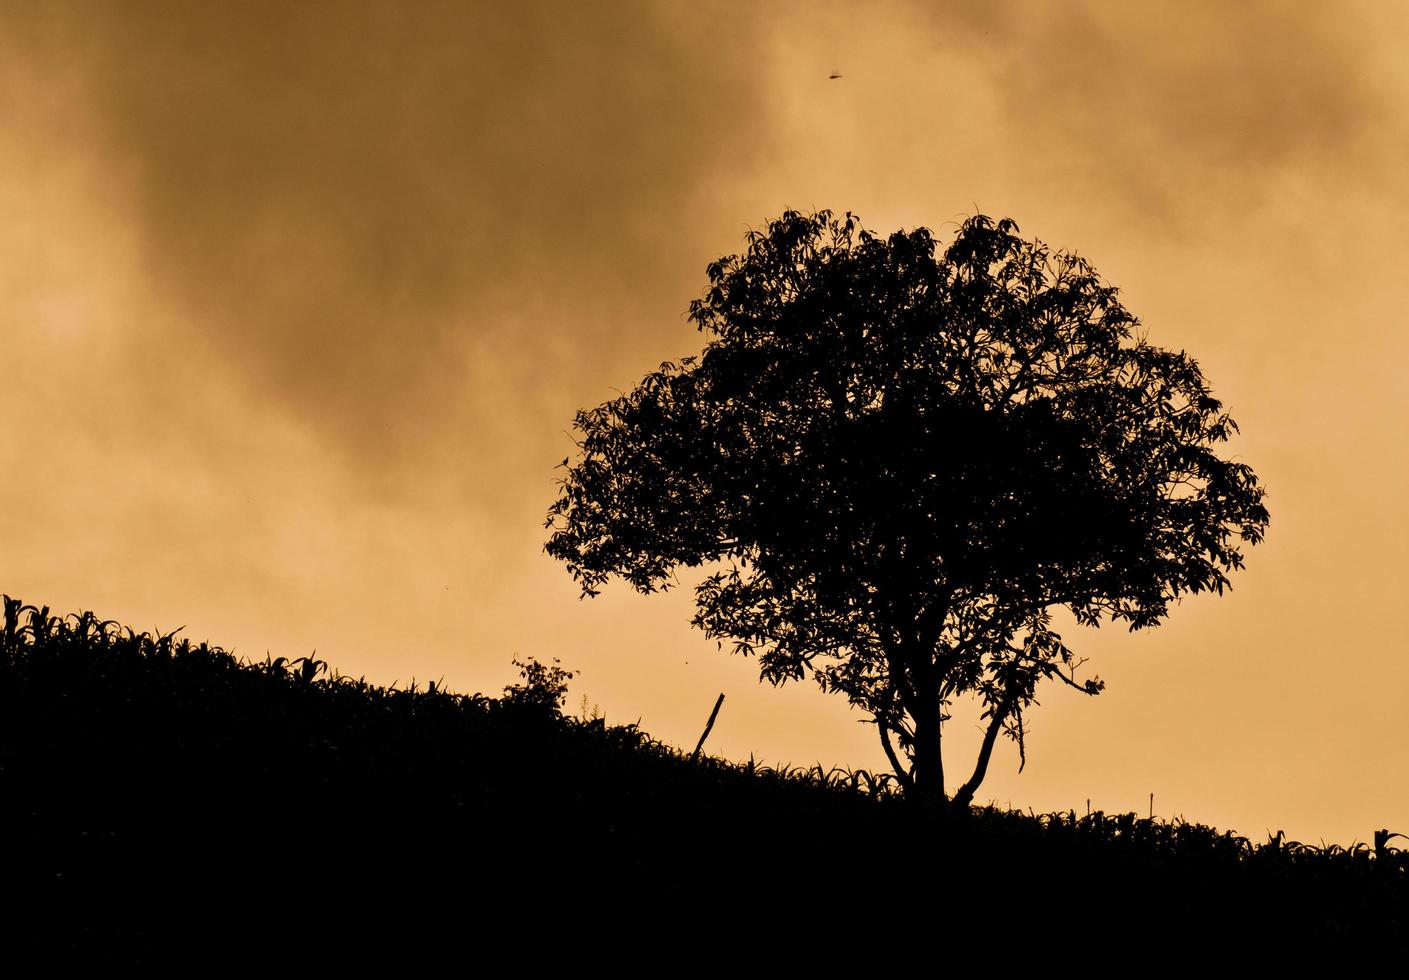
{"points": [[899, 461]]}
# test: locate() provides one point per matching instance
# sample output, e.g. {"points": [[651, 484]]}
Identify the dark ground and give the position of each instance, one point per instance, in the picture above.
{"points": [[164, 804]]}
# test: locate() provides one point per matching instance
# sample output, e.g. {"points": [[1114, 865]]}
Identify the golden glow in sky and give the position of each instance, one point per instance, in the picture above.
{"points": [[300, 300]]}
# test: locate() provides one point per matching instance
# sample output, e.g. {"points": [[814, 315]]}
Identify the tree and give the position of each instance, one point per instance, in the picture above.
{"points": [[899, 461]]}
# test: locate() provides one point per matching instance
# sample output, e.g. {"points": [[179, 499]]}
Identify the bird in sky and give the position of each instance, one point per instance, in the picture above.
{"points": [[835, 74]]}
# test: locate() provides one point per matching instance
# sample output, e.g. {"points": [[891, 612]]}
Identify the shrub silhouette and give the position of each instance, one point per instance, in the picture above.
{"points": [[542, 688]]}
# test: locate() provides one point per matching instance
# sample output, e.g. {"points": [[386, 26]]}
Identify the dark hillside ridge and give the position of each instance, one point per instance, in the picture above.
{"points": [[162, 800]]}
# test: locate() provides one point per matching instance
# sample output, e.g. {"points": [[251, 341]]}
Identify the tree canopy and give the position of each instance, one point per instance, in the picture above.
{"points": [[897, 460]]}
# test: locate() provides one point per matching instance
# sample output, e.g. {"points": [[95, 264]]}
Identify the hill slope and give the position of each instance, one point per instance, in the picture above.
{"points": [[165, 799]]}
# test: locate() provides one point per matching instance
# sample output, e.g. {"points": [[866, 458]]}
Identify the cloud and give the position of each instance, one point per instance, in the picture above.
{"points": [[362, 211], [344, 203], [1148, 101]]}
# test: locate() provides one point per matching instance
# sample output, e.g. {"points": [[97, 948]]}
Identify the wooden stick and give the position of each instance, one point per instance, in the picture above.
{"points": [[708, 726]]}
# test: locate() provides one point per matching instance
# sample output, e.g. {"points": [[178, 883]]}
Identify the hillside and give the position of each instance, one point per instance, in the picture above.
{"points": [[163, 797]]}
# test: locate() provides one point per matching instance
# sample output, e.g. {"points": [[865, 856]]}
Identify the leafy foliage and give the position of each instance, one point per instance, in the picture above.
{"points": [[899, 460]]}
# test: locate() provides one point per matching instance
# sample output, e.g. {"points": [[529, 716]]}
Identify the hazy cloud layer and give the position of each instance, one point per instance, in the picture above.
{"points": [[1159, 97], [1136, 108], [339, 196], [368, 210]]}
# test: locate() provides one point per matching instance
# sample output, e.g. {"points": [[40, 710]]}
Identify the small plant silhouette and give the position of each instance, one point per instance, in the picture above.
{"points": [[543, 687]]}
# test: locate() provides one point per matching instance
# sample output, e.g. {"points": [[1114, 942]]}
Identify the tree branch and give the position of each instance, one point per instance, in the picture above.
{"points": [[966, 792], [901, 773]]}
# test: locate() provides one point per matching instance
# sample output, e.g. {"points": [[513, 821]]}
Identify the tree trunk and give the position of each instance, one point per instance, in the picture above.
{"points": [[917, 683], [929, 763]]}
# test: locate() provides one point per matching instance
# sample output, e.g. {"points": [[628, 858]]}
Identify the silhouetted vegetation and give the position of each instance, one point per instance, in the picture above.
{"points": [[898, 460], [160, 798]]}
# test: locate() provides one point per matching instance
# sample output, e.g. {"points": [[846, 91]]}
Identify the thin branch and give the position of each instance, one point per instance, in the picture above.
{"points": [[966, 792], [901, 773]]}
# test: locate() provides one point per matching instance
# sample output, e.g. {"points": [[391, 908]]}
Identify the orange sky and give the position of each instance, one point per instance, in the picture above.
{"points": [[299, 304]]}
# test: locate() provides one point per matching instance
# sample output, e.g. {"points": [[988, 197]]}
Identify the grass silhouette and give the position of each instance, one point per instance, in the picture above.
{"points": [[162, 799]]}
